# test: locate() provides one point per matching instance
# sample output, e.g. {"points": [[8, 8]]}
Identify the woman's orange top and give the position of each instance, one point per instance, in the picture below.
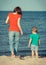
{"points": [[13, 22]]}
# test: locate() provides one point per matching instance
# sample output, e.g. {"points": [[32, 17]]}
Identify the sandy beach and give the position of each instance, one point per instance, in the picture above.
{"points": [[27, 60]]}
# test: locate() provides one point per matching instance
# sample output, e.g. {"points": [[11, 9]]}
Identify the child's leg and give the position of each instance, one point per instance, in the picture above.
{"points": [[32, 48], [32, 53], [36, 54], [36, 51]]}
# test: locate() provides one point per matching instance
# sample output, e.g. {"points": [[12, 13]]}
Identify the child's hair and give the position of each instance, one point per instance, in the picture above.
{"points": [[18, 10], [34, 29]]}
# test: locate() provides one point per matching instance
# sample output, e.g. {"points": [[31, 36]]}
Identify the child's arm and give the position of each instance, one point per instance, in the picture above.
{"points": [[29, 42], [7, 19]]}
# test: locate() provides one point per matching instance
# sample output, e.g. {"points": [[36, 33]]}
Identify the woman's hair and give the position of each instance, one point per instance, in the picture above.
{"points": [[18, 10], [34, 29]]}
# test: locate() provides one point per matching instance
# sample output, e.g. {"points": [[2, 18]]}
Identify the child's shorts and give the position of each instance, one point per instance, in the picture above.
{"points": [[34, 47]]}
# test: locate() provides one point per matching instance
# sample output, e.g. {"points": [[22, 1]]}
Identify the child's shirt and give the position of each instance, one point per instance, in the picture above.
{"points": [[35, 39]]}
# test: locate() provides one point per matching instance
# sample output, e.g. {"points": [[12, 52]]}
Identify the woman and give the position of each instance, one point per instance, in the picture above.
{"points": [[14, 28]]}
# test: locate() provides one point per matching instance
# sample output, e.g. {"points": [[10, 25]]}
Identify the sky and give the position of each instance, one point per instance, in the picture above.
{"points": [[26, 5]]}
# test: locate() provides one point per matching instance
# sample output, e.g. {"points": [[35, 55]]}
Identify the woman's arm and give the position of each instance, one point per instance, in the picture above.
{"points": [[7, 20], [20, 26]]}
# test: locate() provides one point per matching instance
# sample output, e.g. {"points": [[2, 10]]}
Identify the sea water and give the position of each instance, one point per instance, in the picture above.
{"points": [[29, 19]]}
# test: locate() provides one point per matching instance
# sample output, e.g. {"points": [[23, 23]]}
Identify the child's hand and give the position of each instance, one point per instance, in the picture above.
{"points": [[28, 45]]}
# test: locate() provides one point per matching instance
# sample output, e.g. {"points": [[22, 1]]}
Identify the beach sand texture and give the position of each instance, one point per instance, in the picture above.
{"points": [[27, 60]]}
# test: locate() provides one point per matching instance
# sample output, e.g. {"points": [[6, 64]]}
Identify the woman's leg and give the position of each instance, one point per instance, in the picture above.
{"points": [[17, 36], [11, 42]]}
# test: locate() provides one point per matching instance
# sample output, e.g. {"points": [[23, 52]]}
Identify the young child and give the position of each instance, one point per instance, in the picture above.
{"points": [[35, 41]]}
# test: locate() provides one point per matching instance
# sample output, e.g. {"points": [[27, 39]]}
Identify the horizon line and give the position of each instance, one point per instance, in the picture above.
{"points": [[24, 10]]}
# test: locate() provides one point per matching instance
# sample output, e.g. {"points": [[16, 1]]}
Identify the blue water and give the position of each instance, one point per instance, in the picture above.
{"points": [[29, 19]]}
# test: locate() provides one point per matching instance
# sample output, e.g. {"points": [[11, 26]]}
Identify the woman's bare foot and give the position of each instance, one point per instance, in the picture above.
{"points": [[13, 56]]}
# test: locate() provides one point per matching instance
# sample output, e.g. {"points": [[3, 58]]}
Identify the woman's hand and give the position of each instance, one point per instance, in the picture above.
{"points": [[21, 32], [20, 26]]}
